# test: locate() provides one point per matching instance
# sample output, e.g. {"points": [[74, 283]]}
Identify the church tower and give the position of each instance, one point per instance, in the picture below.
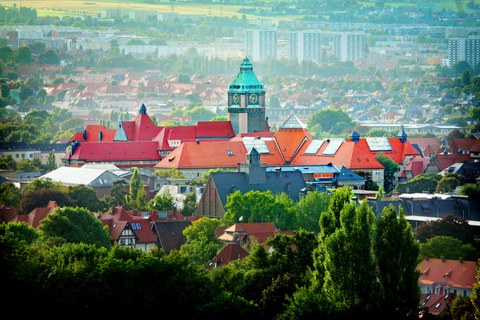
{"points": [[246, 101]]}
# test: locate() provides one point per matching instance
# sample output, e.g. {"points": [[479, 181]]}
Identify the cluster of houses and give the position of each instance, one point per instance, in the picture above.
{"points": [[252, 157]]}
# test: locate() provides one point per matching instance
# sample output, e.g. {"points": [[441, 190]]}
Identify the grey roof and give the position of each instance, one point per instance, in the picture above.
{"points": [[170, 234], [293, 123], [86, 176], [434, 207], [348, 175], [288, 182]]}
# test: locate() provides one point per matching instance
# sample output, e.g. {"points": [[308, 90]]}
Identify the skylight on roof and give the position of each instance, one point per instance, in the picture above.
{"points": [[332, 147], [314, 146], [379, 144], [259, 144]]}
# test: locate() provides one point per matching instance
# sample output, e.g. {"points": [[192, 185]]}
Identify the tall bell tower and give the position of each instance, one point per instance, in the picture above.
{"points": [[246, 101]]}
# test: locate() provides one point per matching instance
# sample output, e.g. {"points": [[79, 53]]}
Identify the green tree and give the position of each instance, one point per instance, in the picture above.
{"points": [[23, 55], [189, 204], [10, 195], [117, 196], [462, 308], [202, 243], [448, 248], [350, 280], [329, 121], [449, 182], [137, 196], [309, 210], [470, 190], [8, 163], [390, 171], [451, 226], [75, 225], [41, 198], [396, 252], [419, 184], [162, 202], [85, 197]]}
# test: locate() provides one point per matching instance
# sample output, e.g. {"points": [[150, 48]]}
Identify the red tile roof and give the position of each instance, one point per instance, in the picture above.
{"points": [[448, 273], [232, 251], [290, 140], [36, 215], [206, 154], [115, 151]]}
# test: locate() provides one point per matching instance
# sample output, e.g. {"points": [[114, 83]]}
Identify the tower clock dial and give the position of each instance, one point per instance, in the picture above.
{"points": [[236, 98], [253, 98]]}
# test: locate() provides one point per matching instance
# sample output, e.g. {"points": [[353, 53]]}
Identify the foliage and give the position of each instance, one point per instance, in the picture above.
{"points": [[258, 206], [330, 121], [41, 198], [117, 195], [448, 248], [170, 173], [86, 197], [455, 227], [419, 184], [75, 225], [189, 204], [162, 202], [396, 254], [449, 182], [137, 196], [471, 190], [308, 211], [10, 195], [390, 171], [202, 243]]}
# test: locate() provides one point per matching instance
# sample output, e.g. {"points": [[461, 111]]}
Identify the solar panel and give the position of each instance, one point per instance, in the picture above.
{"points": [[259, 144], [332, 147], [314, 146], [379, 144]]}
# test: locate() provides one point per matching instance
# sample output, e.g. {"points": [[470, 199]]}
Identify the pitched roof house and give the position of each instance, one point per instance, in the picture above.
{"points": [[232, 251], [442, 279], [36, 215], [251, 175], [170, 234]]}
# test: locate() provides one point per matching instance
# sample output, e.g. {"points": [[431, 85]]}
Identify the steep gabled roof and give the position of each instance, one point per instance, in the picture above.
{"points": [[287, 182], [170, 234], [36, 215], [232, 251], [290, 137]]}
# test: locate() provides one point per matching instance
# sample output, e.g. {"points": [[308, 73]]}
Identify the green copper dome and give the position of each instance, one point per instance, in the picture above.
{"points": [[246, 80]]}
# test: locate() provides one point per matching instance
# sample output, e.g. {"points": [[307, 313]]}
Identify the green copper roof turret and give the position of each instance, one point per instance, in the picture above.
{"points": [[246, 80]]}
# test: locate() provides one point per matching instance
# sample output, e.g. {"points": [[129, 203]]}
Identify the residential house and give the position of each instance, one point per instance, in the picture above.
{"points": [[420, 207], [441, 280], [36, 215], [251, 175], [7, 214], [232, 251], [245, 232], [99, 179], [469, 170], [170, 234]]}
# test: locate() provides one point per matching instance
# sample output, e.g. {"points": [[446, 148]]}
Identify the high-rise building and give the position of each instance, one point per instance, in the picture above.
{"points": [[261, 45], [350, 46], [305, 46], [464, 49], [246, 101]]}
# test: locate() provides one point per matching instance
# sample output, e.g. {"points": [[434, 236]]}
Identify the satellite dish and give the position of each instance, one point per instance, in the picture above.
{"points": [[240, 219]]}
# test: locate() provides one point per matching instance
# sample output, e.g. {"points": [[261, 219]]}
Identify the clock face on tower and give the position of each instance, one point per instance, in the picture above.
{"points": [[253, 98], [236, 98]]}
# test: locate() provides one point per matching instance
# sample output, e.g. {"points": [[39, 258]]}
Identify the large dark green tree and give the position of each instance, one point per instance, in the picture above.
{"points": [[309, 210], [330, 121], [137, 196], [75, 225], [396, 252]]}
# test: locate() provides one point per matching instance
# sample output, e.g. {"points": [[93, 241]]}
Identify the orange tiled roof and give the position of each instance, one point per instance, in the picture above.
{"points": [[447, 272]]}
